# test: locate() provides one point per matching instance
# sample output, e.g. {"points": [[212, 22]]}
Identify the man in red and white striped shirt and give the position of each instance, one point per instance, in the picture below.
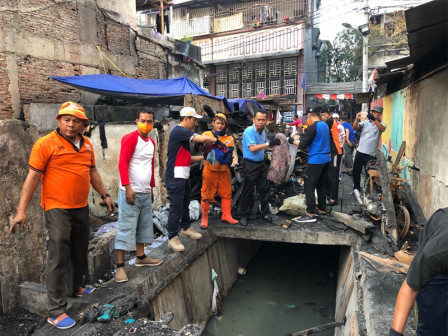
{"points": [[136, 166]]}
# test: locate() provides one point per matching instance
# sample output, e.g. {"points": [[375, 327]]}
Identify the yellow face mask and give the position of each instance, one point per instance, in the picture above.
{"points": [[145, 128]]}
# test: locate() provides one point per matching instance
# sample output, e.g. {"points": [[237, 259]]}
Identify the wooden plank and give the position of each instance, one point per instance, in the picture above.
{"points": [[388, 201], [356, 224], [384, 264]]}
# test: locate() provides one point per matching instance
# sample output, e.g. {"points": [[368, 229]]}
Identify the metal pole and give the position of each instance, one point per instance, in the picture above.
{"points": [[365, 57]]}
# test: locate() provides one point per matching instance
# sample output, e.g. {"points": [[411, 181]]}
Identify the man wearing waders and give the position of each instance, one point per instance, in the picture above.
{"points": [[216, 173]]}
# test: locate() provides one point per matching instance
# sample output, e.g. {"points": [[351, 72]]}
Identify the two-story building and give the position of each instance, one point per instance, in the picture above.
{"points": [[251, 49]]}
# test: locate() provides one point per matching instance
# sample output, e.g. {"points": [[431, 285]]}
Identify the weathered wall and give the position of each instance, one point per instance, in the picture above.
{"points": [[40, 39], [22, 254], [417, 115]]}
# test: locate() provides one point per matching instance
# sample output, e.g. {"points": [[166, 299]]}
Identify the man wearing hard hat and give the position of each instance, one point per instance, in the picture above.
{"points": [[65, 162]]}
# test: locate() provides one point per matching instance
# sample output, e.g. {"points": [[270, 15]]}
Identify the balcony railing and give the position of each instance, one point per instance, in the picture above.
{"points": [[234, 16]]}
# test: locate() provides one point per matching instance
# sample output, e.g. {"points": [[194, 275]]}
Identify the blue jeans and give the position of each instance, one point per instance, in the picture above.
{"points": [[432, 307], [179, 192], [134, 221]]}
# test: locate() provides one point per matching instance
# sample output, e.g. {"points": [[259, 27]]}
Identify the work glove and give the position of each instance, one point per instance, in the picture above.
{"points": [[370, 116], [274, 142], [291, 140], [393, 332]]}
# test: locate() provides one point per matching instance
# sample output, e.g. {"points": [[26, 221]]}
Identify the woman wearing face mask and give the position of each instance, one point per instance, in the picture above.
{"points": [[216, 173]]}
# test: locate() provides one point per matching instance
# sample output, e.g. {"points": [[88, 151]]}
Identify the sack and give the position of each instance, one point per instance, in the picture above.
{"points": [[294, 206]]}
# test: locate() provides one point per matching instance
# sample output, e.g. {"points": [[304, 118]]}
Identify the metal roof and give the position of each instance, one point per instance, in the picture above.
{"points": [[333, 88]]}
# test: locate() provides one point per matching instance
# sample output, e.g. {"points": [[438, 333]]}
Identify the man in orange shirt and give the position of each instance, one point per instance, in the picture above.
{"points": [[65, 162], [336, 156], [216, 176]]}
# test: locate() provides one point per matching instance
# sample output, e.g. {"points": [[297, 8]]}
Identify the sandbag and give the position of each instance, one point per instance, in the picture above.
{"points": [[294, 206]]}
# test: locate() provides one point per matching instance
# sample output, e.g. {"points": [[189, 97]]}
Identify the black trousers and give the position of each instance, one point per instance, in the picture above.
{"points": [[348, 156], [316, 177], [333, 176], [179, 191], [254, 173], [361, 160], [68, 233]]}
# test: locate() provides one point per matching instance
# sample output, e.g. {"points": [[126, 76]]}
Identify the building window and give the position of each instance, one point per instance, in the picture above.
{"points": [[260, 70], [290, 86], [275, 69], [222, 73], [248, 90], [234, 90], [234, 73], [290, 67], [274, 87], [260, 87], [248, 72], [221, 90]]}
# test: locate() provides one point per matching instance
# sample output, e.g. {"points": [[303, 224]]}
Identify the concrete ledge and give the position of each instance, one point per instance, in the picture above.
{"points": [[378, 293], [309, 233]]}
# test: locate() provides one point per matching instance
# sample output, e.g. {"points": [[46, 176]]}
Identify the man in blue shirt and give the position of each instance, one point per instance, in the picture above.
{"points": [[317, 140], [254, 168]]}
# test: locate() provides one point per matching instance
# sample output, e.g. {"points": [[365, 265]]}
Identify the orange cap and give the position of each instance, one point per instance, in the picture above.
{"points": [[71, 108]]}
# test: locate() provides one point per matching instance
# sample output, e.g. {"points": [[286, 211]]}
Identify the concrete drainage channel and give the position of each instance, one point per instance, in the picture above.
{"points": [[182, 285]]}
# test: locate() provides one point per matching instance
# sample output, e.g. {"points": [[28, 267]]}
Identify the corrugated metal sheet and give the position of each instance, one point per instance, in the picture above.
{"points": [[427, 26], [333, 88]]}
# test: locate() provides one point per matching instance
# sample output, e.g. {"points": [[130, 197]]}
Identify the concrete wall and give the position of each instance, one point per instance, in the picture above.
{"points": [[346, 295], [417, 115], [189, 295], [22, 254]]}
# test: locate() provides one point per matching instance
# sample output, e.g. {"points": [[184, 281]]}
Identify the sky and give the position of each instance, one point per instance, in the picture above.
{"points": [[334, 13]]}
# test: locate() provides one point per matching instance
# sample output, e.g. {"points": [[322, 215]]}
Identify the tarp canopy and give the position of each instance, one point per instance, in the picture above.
{"points": [[245, 105], [149, 91]]}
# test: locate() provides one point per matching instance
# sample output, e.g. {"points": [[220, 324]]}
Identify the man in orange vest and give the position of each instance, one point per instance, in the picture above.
{"points": [[216, 176], [65, 162]]}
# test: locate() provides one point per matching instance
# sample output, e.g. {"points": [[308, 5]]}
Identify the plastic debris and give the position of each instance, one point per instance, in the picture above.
{"points": [[106, 228], [129, 321], [294, 206], [195, 210]]}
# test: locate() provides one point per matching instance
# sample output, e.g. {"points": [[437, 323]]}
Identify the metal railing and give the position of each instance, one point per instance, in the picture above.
{"points": [[236, 15]]}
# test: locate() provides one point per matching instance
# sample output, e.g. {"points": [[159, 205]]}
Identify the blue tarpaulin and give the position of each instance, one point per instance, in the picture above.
{"points": [[245, 105], [150, 91]]}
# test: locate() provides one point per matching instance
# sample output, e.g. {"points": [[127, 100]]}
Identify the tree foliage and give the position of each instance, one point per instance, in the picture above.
{"points": [[342, 60]]}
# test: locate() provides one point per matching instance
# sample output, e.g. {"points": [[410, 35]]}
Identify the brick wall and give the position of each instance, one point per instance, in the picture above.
{"points": [[58, 22], [118, 37], [35, 85], [5, 97]]}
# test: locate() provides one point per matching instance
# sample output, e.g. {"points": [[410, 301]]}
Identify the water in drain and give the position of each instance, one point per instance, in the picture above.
{"points": [[286, 288]]}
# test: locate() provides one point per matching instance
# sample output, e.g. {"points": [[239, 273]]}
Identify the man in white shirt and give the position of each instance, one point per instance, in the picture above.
{"points": [[371, 130], [136, 166]]}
